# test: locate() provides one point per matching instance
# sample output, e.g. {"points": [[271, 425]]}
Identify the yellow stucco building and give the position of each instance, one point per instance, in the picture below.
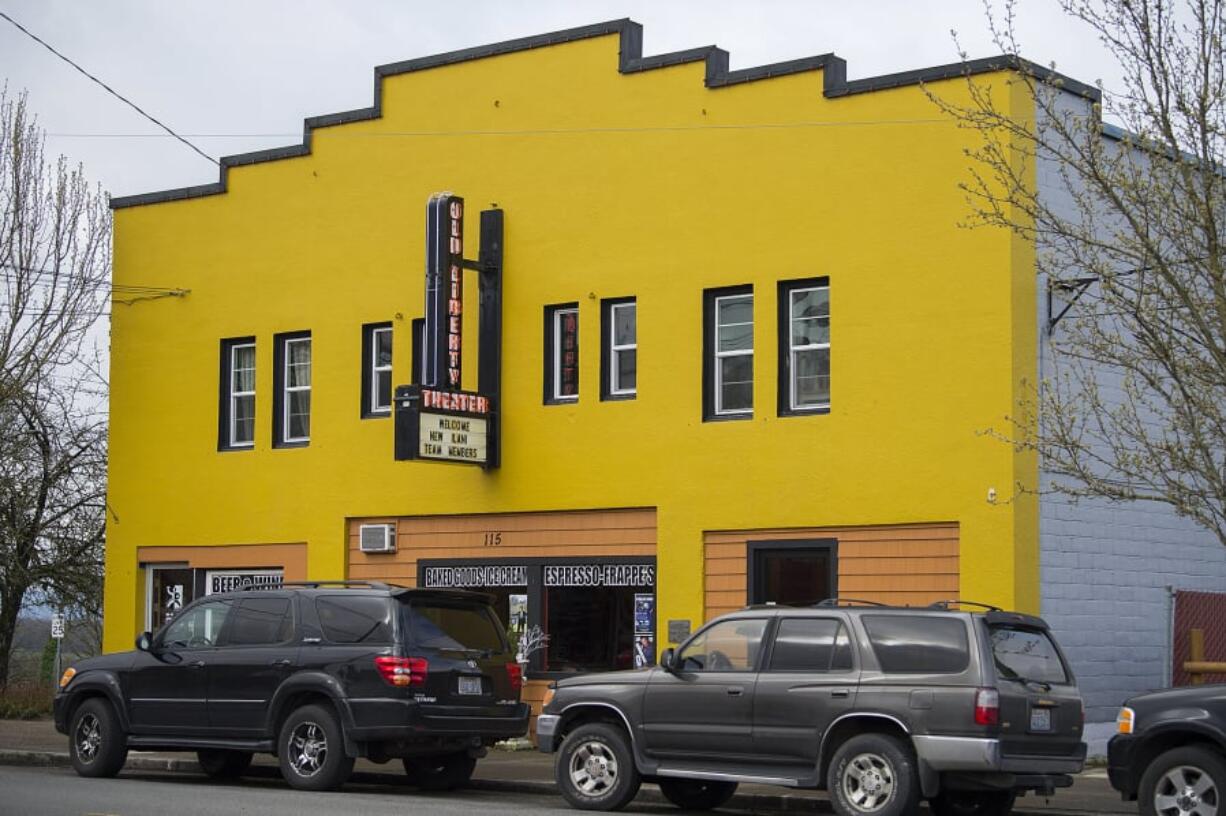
{"points": [[797, 408]]}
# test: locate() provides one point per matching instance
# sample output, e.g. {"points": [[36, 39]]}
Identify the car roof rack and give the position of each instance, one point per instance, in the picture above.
{"points": [[849, 602], [317, 584], [959, 602]]}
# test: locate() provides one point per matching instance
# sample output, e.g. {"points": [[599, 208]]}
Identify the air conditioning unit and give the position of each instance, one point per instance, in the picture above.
{"points": [[377, 538]]}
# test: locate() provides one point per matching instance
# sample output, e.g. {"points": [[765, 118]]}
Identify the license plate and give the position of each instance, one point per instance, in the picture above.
{"points": [[470, 685], [1040, 719]]}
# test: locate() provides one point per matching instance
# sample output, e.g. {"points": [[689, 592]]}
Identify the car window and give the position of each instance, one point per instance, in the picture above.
{"points": [[918, 644], [1027, 654], [260, 622], [198, 627], [731, 645], [811, 645], [435, 625], [363, 619]]}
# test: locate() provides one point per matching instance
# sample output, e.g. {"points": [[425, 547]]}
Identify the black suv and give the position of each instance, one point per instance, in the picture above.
{"points": [[1170, 751], [315, 673], [883, 706]]}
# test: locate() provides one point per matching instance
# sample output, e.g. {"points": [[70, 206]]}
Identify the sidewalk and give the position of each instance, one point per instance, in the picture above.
{"points": [[36, 742]]}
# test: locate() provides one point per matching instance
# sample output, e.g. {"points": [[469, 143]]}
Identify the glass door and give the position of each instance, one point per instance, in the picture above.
{"points": [[169, 589]]}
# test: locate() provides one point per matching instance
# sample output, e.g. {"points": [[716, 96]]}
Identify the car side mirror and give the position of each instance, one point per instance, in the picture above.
{"points": [[668, 659], [144, 642]]}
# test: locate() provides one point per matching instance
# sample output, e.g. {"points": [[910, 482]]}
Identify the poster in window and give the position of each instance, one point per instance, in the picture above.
{"points": [[644, 613], [517, 618], [644, 650]]}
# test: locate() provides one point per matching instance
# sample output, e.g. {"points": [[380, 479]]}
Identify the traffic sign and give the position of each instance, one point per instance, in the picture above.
{"points": [[57, 627]]}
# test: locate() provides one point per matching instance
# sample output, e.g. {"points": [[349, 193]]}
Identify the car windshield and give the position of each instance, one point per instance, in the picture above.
{"points": [[1027, 655], [456, 626]]}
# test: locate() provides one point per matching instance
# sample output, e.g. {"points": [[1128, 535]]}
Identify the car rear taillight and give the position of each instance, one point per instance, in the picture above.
{"points": [[403, 671], [516, 675], [987, 707]]}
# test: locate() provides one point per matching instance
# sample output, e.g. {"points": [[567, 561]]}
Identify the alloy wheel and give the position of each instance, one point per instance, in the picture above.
{"points": [[308, 747], [1186, 790], [868, 782], [593, 768], [88, 738]]}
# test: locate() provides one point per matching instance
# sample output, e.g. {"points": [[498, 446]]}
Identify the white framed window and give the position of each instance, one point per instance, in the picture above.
{"points": [[379, 376], [563, 372], [808, 344], [295, 389], [241, 431], [623, 349], [732, 379]]}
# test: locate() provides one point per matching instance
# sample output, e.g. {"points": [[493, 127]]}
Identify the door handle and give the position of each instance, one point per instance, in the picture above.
{"points": [[840, 692], [735, 691], [285, 661], [197, 664]]}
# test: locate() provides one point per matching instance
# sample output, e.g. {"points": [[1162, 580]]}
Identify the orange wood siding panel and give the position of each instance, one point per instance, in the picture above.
{"points": [[522, 535], [290, 557], [913, 564]]}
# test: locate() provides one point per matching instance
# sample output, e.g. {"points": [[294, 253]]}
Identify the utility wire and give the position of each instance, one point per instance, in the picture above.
{"points": [[108, 88]]}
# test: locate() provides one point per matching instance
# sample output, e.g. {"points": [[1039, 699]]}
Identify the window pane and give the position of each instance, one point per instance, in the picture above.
{"points": [[804, 644], [736, 383], [260, 621], [729, 646], [244, 419], [244, 369], [198, 628], [624, 329], [793, 577], [735, 310], [298, 370], [383, 389], [736, 338], [589, 628], [355, 619], [910, 644], [626, 370], [811, 303], [1027, 653], [383, 347], [810, 330], [299, 413], [811, 377]]}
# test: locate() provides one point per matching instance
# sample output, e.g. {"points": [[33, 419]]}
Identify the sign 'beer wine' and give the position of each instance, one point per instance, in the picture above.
{"points": [[436, 419]]}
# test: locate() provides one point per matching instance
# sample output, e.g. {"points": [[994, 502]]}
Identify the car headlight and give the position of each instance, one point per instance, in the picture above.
{"points": [[67, 676], [1125, 720]]}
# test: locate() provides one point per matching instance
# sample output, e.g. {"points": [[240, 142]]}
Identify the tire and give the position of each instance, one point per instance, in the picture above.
{"points": [[222, 764], [440, 773], [973, 803], [696, 794], [1173, 774], [874, 775], [311, 748], [96, 742], [595, 768]]}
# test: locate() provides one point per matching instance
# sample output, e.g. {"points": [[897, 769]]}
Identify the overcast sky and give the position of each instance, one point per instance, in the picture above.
{"points": [[241, 75]]}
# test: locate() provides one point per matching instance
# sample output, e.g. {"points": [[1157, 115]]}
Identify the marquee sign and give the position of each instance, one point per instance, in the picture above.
{"points": [[476, 576], [436, 419]]}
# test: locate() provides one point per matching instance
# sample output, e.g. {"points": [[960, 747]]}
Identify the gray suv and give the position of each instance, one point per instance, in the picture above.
{"points": [[882, 706]]}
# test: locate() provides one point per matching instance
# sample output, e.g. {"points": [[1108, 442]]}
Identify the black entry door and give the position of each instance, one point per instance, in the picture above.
{"points": [[793, 573]]}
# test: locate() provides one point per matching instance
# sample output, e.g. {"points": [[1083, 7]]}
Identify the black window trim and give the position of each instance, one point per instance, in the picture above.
{"points": [[278, 391], [417, 329], [606, 349], [783, 318], [708, 352], [224, 385], [754, 548], [368, 410], [550, 313]]}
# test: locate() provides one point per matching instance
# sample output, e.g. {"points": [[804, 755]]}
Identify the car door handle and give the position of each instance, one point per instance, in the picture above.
{"points": [[735, 691], [285, 661], [197, 664], [840, 692]]}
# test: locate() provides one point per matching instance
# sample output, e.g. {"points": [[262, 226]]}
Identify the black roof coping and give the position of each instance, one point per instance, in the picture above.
{"points": [[630, 61]]}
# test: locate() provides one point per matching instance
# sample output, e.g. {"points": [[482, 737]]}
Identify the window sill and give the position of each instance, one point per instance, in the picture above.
{"points": [[377, 414], [235, 448], [619, 397], [726, 417], [292, 444], [793, 412], [574, 401]]}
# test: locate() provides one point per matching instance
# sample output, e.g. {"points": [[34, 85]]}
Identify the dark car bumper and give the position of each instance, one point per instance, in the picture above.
{"points": [[392, 719], [1121, 772], [59, 711]]}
